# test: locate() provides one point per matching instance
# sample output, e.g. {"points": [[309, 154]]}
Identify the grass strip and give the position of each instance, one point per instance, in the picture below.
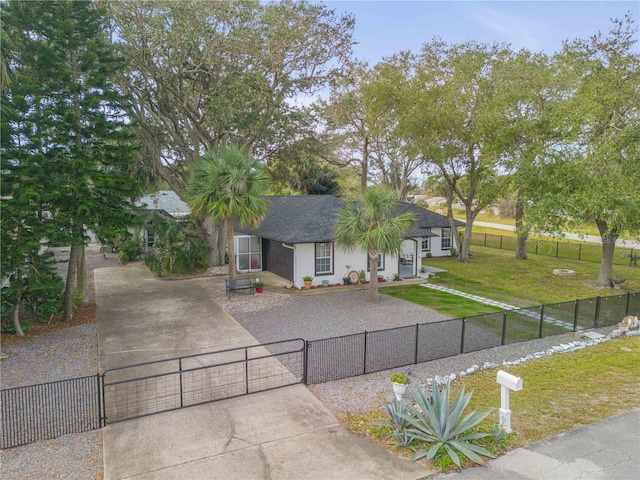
{"points": [[560, 392]]}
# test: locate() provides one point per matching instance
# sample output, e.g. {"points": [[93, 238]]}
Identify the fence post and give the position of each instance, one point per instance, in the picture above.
{"points": [[626, 308], [101, 405], [500, 242], [575, 315], [364, 363], [464, 322], [579, 251], [541, 320], [305, 362], [557, 247], [596, 317], [246, 370], [536, 246], [103, 420], [485, 239], [415, 357], [504, 327], [181, 392]]}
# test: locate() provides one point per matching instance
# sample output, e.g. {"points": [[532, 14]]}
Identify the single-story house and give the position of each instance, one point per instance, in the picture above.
{"points": [[296, 239], [164, 202]]}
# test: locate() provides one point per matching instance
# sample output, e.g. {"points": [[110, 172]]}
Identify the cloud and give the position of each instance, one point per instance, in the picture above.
{"points": [[515, 29]]}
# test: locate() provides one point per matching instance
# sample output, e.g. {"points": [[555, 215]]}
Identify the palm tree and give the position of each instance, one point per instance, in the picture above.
{"points": [[373, 226], [229, 184]]}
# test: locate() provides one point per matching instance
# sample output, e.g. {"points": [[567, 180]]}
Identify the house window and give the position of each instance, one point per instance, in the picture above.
{"points": [[380, 262], [426, 242], [150, 238], [324, 258], [248, 253], [446, 238]]}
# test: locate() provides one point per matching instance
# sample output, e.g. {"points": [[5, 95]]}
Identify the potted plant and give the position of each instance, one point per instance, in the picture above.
{"points": [[400, 382], [422, 273], [396, 277], [346, 280], [259, 286], [307, 282], [363, 276]]}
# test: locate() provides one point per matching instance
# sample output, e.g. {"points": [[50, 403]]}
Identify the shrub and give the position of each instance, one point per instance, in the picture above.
{"points": [[130, 250], [397, 424], [77, 298]]}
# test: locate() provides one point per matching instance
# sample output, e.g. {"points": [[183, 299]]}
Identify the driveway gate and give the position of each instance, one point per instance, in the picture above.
{"points": [[153, 387]]}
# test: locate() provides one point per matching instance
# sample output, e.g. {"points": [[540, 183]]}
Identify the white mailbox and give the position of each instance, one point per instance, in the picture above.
{"points": [[510, 381], [507, 382]]}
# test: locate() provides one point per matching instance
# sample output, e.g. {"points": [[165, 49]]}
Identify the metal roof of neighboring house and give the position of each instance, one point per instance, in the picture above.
{"points": [[311, 219], [166, 200]]}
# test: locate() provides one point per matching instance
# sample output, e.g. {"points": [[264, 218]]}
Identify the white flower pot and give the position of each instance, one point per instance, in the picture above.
{"points": [[399, 389]]}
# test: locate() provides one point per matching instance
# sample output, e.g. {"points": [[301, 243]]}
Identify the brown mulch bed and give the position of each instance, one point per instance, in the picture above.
{"points": [[83, 314]]}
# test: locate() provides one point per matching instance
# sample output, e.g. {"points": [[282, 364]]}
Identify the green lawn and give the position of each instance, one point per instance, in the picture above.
{"points": [[496, 274], [452, 305]]}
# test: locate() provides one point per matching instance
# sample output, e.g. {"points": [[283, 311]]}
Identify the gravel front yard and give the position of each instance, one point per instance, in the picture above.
{"points": [[273, 316]]}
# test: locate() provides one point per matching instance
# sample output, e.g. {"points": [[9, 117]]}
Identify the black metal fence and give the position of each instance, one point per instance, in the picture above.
{"points": [[40, 412], [368, 352], [154, 387], [49, 410], [589, 252]]}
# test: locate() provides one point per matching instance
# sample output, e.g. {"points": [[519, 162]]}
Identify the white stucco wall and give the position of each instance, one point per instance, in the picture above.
{"points": [[356, 259], [436, 244], [304, 260]]}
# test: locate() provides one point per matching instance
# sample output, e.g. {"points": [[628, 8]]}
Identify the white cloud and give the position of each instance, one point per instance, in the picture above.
{"points": [[517, 30]]}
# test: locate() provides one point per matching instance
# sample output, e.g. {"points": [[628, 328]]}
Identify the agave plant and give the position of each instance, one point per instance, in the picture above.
{"points": [[398, 423], [439, 424]]}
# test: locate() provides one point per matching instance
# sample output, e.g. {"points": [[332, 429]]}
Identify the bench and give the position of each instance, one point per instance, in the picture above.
{"points": [[242, 283]]}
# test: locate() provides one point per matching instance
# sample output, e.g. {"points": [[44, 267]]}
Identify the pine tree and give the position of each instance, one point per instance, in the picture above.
{"points": [[70, 128]]}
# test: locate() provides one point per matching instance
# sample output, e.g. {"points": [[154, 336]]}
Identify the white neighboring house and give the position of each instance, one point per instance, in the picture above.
{"points": [[296, 239], [164, 202]]}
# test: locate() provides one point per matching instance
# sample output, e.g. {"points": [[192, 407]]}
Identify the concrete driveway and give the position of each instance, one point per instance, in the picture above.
{"points": [[280, 434]]}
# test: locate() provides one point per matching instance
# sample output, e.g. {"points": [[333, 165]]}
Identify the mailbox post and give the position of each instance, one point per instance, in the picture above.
{"points": [[507, 382]]}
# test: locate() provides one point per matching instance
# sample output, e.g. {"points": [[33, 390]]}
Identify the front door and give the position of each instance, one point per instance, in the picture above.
{"points": [[408, 258]]}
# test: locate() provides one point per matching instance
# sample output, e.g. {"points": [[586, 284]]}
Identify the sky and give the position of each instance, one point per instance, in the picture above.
{"points": [[387, 27]]}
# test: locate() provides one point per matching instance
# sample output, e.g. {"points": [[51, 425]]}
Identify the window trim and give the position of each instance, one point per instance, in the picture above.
{"points": [[381, 262], [315, 259], [449, 237], [428, 240]]}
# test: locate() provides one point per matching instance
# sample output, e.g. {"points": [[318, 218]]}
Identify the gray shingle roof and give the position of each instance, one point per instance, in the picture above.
{"points": [[166, 200], [298, 219], [310, 219], [425, 219]]}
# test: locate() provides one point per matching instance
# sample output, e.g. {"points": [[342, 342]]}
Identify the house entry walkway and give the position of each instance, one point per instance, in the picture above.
{"points": [[278, 434], [494, 303]]}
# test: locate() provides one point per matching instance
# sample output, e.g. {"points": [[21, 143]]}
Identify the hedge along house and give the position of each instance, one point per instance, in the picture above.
{"points": [[295, 240]]}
